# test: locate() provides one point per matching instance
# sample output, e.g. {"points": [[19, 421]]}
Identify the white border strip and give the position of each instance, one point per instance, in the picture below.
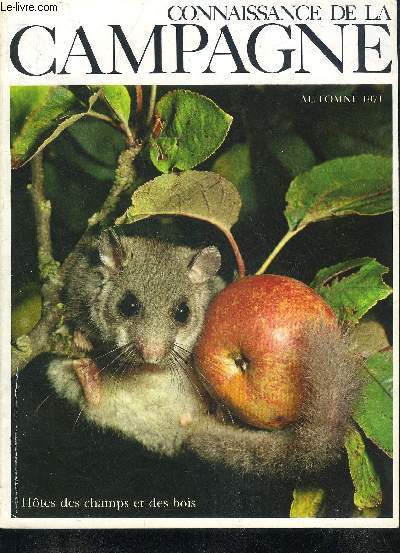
{"points": [[5, 303]]}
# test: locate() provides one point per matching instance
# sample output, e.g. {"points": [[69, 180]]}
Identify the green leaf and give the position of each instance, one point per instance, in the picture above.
{"points": [[23, 100], [366, 482], [374, 411], [78, 161], [119, 100], [360, 185], [368, 337], [307, 502], [293, 152], [47, 114], [27, 310], [353, 295], [99, 141], [188, 129], [199, 194], [235, 165]]}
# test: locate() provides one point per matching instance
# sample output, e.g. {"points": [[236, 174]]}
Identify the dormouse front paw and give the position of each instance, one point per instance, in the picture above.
{"points": [[88, 375], [185, 419]]}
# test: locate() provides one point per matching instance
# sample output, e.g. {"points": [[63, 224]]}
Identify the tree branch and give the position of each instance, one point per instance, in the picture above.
{"points": [[152, 103], [139, 98], [125, 175], [102, 117], [48, 267]]}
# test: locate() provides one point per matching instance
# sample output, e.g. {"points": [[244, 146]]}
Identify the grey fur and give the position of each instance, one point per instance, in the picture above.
{"points": [[158, 273]]}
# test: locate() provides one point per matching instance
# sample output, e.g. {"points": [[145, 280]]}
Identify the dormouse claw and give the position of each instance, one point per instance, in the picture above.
{"points": [[81, 341]]}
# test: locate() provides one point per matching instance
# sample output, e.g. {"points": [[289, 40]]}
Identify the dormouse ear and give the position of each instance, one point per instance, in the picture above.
{"points": [[204, 265], [111, 250]]}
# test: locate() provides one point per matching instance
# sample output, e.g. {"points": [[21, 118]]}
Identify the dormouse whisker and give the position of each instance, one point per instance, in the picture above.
{"points": [[76, 420], [183, 349], [108, 352], [184, 367], [126, 348]]}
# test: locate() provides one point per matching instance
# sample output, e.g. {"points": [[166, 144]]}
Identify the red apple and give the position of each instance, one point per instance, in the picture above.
{"points": [[249, 354]]}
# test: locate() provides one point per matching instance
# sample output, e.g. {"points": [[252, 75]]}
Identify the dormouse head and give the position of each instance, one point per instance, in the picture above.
{"points": [[153, 296]]}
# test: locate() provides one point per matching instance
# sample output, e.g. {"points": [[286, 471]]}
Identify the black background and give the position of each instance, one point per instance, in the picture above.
{"points": [[215, 541]]}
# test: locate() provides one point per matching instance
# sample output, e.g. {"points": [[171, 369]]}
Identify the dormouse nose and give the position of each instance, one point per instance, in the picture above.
{"points": [[153, 352]]}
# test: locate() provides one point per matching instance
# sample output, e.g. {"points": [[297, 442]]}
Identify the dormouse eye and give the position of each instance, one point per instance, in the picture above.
{"points": [[129, 306], [182, 312]]}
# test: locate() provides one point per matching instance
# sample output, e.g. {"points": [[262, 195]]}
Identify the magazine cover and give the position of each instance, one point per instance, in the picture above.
{"points": [[199, 264]]}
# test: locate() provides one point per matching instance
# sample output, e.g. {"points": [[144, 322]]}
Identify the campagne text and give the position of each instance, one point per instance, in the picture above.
{"points": [[212, 48], [273, 12]]}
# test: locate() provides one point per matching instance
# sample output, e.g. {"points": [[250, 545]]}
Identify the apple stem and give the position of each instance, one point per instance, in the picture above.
{"points": [[236, 252], [288, 236]]}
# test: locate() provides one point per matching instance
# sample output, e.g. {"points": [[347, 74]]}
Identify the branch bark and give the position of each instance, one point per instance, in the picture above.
{"points": [[152, 104], [125, 175], [42, 209], [139, 99]]}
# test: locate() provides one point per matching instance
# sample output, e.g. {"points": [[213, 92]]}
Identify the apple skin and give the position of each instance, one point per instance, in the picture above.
{"points": [[249, 354]]}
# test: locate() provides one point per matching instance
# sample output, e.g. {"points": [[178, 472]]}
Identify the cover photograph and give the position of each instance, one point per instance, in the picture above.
{"points": [[199, 265]]}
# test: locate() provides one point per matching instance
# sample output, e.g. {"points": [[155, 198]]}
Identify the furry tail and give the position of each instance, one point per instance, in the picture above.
{"points": [[332, 381]]}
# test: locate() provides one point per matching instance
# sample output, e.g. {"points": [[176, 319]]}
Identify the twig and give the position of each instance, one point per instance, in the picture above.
{"points": [[102, 117], [42, 211], [139, 98], [236, 251], [288, 236], [152, 103], [48, 266], [125, 174], [41, 207]]}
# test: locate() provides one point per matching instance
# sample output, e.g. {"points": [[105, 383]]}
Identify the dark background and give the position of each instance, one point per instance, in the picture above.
{"points": [[56, 453], [215, 541]]}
